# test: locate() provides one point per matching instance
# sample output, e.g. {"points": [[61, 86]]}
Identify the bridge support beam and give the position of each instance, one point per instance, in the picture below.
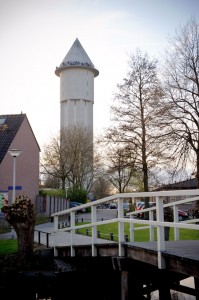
{"points": [[124, 285]]}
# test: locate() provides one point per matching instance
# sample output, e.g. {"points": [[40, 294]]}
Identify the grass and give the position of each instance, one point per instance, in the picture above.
{"points": [[139, 235], [8, 246]]}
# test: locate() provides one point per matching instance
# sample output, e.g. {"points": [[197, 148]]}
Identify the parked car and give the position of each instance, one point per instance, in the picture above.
{"points": [[75, 204], [138, 204], [182, 214], [113, 206], [141, 206]]}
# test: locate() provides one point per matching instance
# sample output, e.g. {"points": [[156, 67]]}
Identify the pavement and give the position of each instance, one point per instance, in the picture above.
{"points": [[64, 238]]}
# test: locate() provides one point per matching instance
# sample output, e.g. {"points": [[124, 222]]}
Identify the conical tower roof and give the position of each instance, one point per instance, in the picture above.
{"points": [[76, 58]]}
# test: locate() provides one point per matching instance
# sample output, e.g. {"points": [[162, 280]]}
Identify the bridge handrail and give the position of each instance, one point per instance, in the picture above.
{"points": [[125, 220], [165, 205], [159, 223], [130, 195]]}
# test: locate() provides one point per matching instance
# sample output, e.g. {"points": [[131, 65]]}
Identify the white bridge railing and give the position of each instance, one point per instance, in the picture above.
{"points": [[160, 197]]}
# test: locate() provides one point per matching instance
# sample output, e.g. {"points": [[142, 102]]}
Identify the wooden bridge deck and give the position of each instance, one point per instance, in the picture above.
{"points": [[183, 249]]}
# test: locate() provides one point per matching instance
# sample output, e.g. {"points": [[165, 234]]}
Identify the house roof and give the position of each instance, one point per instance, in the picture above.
{"points": [[76, 58], [182, 185], [9, 126]]}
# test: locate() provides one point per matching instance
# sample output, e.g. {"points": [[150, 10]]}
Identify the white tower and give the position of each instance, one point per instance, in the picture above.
{"points": [[77, 74]]}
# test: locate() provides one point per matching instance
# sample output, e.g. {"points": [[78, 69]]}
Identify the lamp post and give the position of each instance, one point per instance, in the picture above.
{"points": [[14, 153]]}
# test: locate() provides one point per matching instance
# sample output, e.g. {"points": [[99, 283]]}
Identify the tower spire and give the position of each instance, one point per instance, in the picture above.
{"points": [[76, 57]]}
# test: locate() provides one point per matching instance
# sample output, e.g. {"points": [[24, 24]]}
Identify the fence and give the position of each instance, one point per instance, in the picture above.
{"points": [[47, 205]]}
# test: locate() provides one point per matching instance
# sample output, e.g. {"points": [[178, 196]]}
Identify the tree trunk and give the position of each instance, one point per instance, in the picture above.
{"points": [[21, 216], [197, 174], [25, 239]]}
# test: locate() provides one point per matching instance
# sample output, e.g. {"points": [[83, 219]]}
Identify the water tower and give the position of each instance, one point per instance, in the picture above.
{"points": [[77, 74]]}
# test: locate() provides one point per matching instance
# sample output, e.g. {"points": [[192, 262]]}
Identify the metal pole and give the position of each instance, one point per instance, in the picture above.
{"points": [[14, 179], [14, 153]]}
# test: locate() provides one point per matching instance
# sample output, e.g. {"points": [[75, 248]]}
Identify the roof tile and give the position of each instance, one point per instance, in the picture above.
{"points": [[8, 131]]}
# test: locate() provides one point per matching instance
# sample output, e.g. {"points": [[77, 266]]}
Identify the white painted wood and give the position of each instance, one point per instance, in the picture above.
{"points": [[121, 239], [94, 230], [56, 222], [160, 232], [176, 220], [72, 222], [151, 227], [56, 230], [132, 236]]}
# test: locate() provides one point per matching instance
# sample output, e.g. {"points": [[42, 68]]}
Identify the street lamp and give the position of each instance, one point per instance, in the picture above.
{"points": [[14, 153]]}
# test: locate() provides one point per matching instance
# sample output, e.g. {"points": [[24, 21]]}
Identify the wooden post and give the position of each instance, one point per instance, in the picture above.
{"points": [[124, 285]]}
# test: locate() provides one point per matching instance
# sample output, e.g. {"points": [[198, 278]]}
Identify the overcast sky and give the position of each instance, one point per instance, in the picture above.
{"points": [[35, 36]]}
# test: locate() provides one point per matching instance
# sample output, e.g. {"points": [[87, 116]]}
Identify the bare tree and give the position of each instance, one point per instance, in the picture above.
{"points": [[77, 147], [137, 103], [181, 77], [120, 164], [54, 161], [101, 188], [52, 182], [69, 157]]}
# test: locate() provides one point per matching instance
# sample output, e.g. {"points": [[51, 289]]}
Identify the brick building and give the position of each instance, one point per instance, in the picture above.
{"points": [[16, 133]]}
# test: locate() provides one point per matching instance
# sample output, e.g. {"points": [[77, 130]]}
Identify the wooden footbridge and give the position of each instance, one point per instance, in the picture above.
{"points": [[143, 267]]}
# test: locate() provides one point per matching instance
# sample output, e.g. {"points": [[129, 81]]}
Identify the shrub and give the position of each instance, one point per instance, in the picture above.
{"points": [[51, 192], [76, 194]]}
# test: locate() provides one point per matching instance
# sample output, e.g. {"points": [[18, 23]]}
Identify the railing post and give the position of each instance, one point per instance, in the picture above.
{"points": [[121, 239], [72, 233], [176, 220], [132, 225], [160, 232], [94, 229], [151, 226], [55, 241], [56, 222]]}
